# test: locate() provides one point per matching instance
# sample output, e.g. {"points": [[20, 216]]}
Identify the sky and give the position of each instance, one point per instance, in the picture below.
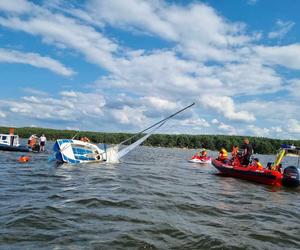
{"points": [[119, 66]]}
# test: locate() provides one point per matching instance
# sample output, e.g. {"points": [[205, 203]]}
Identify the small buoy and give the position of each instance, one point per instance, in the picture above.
{"points": [[24, 158]]}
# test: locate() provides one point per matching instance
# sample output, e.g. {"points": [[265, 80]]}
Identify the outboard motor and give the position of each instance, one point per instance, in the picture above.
{"points": [[291, 177]]}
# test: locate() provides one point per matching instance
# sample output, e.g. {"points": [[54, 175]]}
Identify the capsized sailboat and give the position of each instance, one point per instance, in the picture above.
{"points": [[76, 151]]}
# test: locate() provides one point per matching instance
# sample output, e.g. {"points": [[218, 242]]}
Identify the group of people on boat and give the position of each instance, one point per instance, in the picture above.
{"points": [[243, 157], [201, 157], [37, 144], [85, 139]]}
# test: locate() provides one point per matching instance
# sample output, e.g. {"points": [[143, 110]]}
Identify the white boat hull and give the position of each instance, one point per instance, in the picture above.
{"points": [[76, 151], [201, 161]]}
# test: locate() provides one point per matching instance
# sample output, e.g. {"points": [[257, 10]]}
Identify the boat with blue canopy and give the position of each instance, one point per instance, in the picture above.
{"points": [[10, 142]]}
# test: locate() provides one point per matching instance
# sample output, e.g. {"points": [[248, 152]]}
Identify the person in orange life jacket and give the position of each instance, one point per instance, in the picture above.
{"points": [[85, 139], [223, 155], [234, 152], [257, 164]]}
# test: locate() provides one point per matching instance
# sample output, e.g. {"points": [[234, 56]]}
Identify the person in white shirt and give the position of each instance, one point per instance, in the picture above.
{"points": [[43, 140]]}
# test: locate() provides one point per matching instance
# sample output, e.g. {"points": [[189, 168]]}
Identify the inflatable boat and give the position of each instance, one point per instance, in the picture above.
{"points": [[251, 173], [290, 177]]}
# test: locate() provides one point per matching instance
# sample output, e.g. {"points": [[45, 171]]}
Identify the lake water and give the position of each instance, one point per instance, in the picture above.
{"points": [[154, 199]]}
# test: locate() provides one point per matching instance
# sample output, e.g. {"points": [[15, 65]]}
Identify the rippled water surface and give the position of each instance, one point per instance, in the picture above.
{"points": [[154, 199]]}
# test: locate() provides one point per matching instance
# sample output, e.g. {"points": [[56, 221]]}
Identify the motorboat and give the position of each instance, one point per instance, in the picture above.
{"points": [[10, 142], [289, 177]]}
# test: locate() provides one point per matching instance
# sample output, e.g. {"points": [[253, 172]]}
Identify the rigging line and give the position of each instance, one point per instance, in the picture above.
{"points": [[163, 120]]}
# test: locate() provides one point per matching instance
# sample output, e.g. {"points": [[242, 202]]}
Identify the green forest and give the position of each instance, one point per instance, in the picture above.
{"points": [[212, 142]]}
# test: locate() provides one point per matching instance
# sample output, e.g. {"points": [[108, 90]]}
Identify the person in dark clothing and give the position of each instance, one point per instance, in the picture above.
{"points": [[247, 152]]}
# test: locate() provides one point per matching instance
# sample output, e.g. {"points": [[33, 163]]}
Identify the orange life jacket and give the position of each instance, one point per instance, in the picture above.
{"points": [[234, 152], [223, 155]]}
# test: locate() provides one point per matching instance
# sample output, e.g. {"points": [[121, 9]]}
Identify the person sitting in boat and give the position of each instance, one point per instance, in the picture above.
{"points": [[203, 153], [234, 152], [247, 152], [279, 168], [269, 166], [197, 156], [223, 155], [256, 163], [85, 139]]}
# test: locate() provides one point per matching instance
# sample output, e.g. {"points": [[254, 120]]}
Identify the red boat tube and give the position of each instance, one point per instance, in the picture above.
{"points": [[251, 173]]}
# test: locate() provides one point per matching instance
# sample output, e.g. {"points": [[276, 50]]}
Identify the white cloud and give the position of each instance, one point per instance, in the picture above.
{"points": [[197, 122], [65, 32], [211, 37], [257, 131], [294, 88], [282, 28], [159, 103], [287, 56], [293, 126], [140, 14], [18, 6], [68, 93], [128, 115], [2, 114], [34, 91], [157, 81], [215, 121], [275, 112], [83, 106], [36, 60], [227, 128], [225, 105], [252, 2]]}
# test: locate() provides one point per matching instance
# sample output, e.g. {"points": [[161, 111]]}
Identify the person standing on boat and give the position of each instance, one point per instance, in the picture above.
{"points": [[43, 140], [247, 152]]}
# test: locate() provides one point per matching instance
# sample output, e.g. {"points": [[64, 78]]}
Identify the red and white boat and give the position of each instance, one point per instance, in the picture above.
{"points": [[200, 159], [290, 176]]}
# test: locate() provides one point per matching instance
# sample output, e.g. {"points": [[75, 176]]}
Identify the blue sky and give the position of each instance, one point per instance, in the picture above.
{"points": [[121, 65]]}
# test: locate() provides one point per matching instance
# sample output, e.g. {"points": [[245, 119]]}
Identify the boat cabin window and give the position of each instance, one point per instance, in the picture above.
{"points": [[3, 137]]}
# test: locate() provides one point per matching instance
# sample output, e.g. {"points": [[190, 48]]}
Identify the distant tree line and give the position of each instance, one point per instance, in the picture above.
{"points": [[213, 142]]}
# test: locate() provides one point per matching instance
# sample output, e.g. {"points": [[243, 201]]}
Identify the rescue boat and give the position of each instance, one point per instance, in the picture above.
{"points": [[290, 177], [251, 173]]}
